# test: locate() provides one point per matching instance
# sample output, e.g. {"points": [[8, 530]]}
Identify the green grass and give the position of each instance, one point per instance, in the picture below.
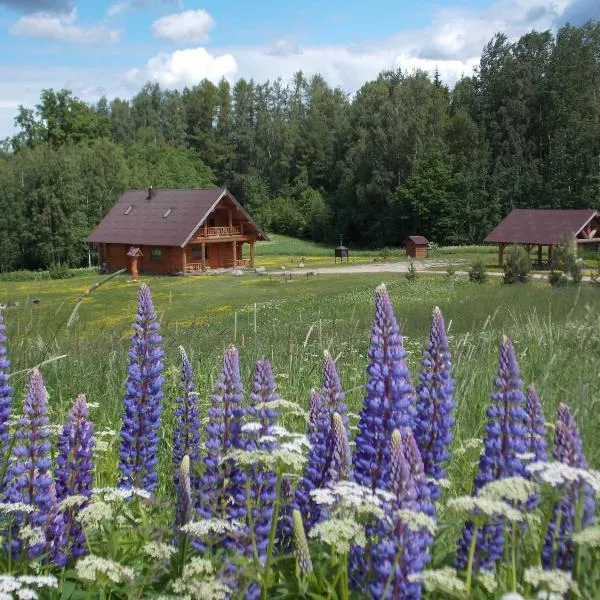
{"points": [[556, 333]]}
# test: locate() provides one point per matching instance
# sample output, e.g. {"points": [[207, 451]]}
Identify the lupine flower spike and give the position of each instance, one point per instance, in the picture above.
{"points": [[505, 440], [568, 449], [55, 532], [30, 468], [186, 435], [5, 394], [301, 548], [74, 469], [535, 438], [390, 400], [185, 505], [341, 458], [333, 395], [435, 403], [142, 404], [402, 552], [222, 433]]}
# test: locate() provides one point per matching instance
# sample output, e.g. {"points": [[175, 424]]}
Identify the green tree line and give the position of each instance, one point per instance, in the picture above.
{"points": [[405, 155]]}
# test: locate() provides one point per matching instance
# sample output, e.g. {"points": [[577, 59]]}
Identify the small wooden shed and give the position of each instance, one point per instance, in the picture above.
{"points": [[341, 252], [416, 246]]}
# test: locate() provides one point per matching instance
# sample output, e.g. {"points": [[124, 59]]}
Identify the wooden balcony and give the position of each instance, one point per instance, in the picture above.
{"points": [[216, 232], [193, 267], [241, 262]]}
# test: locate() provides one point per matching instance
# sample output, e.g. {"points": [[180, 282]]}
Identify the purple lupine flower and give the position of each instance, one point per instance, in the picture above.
{"points": [[535, 437], [186, 434], [185, 504], [568, 449], [341, 457], [505, 440], [55, 532], [333, 395], [5, 394], [142, 403], [222, 433], [435, 403], [314, 412], [398, 550], [390, 400], [30, 468], [74, 470]]}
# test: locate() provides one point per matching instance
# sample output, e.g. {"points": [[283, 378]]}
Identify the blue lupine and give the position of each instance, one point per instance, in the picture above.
{"points": [[505, 440], [333, 394], [142, 403], [390, 400], [222, 433], [398, 550], [186, 434], [5, 395], [341, 456], [568, 449], [29, 470], [435, 403], [55, 533], [74, 470], [535, 437]]}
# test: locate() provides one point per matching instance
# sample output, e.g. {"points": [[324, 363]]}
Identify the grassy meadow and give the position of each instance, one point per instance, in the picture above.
{"points": [[556, 333]]}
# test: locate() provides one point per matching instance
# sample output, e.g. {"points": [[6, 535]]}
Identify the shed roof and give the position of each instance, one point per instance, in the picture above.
{"points": [[419, 240], [166, 217], [540, 226]]}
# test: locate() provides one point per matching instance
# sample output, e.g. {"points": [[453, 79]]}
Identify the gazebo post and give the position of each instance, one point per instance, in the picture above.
{"points": [[540, 255], [501, 254], [550, 253]]}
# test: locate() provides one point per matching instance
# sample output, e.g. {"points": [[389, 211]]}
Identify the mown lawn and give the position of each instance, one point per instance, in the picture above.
{"points": [[556, 333]]}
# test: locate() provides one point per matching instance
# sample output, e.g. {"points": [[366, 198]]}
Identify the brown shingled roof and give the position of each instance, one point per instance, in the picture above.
{"points": [[540, 226], [419, 240], [144, 224]]}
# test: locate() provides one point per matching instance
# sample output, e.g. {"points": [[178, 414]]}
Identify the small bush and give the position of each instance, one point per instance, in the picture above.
{"points": [[556, 278], [386, 253], [478, 271], [411, 274], [60, 271], [576, 271], [450, 271], [517, 265]]}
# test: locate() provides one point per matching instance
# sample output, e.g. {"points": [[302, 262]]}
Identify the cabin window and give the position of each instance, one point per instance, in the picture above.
{"points": [[197, 252], [155, 254], [128, 209], [169, 211]]}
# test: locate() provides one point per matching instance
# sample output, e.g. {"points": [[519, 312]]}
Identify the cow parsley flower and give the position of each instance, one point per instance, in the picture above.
{"points": [[590, 536], [444, 581], [557, 581], [92, 568], [510, 489], [159, 550], [212, 527], [341, 534], [142, 403], [95, 514]]}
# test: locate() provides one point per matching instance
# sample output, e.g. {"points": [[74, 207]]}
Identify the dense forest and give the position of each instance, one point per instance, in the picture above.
{"points": [[404, 155]]}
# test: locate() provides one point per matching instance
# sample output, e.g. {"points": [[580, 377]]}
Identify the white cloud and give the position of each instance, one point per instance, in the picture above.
{"points": [[62, 28], [187, 26], [186, 67], [116, 9]]}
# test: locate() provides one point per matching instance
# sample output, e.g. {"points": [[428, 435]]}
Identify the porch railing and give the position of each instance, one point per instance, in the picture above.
{"points": [[193, 267], [241, 262], [219, 231]]}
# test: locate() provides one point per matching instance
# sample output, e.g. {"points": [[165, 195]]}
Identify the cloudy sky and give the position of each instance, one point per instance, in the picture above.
{"points": [[111, 47]]}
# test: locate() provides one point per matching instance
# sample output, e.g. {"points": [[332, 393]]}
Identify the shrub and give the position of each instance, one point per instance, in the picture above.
{"points": [[60, 271], [411, 274], [450, 271], [557, 278], [478, 271], [517, 265]]}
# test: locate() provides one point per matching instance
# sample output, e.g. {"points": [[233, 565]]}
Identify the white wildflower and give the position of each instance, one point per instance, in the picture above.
{"points": [[488, 581], [486, 506], [590, 536], [558, 474], [201, 589], [289, 407], [92, 567], [211, 527], [323, 496], [443, 484], [511, 489], [557, 581], [544, 595], [253, 427], [71, 501], [472, 444], [93, 405], [106, 433], [197, 566], [512, 596], [101, 445], [441, 580], [15, 507], [159, 550], [39, 580], [32, 535], [417, 521], [525, 456], [291, 459], [27, 594], [95, 514], [110, 494], [339, 533]]}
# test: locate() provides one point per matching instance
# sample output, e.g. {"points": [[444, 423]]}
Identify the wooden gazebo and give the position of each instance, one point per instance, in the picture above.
{"points": [[545, 228]]}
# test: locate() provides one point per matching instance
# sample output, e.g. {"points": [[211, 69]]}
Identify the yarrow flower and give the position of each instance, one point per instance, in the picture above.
{"points": [[340, 534], [504, 442], [399, 533], [30, 468], [94, 568], [389, 403], [435, 403], [222, 433], [74, 470], [568, 450], [142, 403], [5, 394], [557, 581]]}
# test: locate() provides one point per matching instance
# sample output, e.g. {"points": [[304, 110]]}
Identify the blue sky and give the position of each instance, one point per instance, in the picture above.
{"points": [[112, 47]]}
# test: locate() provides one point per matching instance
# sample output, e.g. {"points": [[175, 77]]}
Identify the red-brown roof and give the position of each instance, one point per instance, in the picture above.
{"points": [[145, 224], [419, 240], [540, 226]]}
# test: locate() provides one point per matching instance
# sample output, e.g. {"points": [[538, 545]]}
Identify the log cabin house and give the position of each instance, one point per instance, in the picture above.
{"points": [[167, 231], [545, 228]]}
